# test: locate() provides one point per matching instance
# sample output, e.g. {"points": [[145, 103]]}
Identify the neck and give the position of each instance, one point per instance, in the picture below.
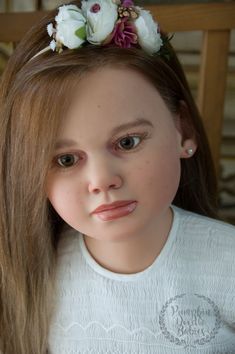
{"points": [[133, 254]]}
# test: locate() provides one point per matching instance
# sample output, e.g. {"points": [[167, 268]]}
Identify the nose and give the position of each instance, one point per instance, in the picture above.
{"points": [[103, 178]]}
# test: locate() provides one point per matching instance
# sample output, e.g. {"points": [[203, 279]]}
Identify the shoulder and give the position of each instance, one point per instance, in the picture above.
{"points": [[207, 235], [203, 223]]}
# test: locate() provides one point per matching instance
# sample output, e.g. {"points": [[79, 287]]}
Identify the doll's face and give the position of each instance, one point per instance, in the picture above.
{"points": [[119, 141]]}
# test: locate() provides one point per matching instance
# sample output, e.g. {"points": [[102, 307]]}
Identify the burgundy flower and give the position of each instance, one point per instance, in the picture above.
{"points": [[124, 34], [95, 8], [127, 3]]}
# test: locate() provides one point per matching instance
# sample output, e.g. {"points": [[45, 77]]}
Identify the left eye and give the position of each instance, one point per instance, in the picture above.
{"points": [[67, 160], [129, 142]]}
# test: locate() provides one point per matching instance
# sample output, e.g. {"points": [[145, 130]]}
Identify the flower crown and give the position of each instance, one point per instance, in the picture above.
{"points": [[104, 22]]}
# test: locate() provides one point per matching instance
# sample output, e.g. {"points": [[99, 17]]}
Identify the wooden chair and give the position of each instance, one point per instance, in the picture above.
{"points": [[216, 20]]}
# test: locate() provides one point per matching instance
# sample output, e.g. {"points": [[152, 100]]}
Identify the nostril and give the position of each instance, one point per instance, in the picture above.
{"points": [[96, 190], [99, 185]]}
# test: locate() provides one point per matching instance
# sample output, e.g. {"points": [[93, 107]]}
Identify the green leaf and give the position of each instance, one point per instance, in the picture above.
{"points": [[81, 32]]}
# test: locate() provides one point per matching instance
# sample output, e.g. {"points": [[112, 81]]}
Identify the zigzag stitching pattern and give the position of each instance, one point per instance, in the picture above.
{"points": [[85, 328]]}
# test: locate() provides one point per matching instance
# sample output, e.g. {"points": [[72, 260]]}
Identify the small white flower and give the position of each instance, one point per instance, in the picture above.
{"points": [[101, 18], [50, 29], [53, 45], [147, 29], [71, 26]]}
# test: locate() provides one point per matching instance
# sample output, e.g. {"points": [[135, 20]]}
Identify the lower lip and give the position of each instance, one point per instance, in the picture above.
{"points": [[117, 212]]}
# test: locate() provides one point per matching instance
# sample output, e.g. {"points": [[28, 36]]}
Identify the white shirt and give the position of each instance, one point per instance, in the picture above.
{"points": [[183, 303]]}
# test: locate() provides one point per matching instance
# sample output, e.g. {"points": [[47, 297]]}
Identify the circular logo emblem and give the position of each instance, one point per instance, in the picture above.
{"points": [[190, 320]]}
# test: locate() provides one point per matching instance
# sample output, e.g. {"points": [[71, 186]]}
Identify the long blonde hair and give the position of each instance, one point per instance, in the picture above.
{"points": [[34, 97]]}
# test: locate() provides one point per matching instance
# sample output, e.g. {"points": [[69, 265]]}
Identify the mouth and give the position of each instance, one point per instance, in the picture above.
{"points": [[114, 205], [115, 210]]}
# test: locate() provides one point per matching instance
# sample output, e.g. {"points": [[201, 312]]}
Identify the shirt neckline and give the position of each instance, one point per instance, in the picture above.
{"points": [[134, 276]]}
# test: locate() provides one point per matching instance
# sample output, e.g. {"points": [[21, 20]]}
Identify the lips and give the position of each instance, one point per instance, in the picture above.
{"points": [[115, 210], [113, 205]]}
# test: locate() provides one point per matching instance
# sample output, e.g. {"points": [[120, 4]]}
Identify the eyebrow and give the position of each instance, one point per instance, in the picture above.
{"points": [[137, 123]]}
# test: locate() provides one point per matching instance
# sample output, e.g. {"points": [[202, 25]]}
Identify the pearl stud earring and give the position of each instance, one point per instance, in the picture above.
{"points": [[190, 151]]}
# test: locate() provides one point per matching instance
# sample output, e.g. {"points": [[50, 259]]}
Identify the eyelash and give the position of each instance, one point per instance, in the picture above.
{"points": [[142, 137]]}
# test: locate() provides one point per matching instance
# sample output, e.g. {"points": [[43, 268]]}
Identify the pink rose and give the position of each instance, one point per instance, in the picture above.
{"points": [[124, 34]]}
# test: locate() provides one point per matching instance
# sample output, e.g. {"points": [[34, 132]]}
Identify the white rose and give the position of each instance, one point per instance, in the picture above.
{"points": [[71, 26], [67, 12], [147, 29], [101, 17]]}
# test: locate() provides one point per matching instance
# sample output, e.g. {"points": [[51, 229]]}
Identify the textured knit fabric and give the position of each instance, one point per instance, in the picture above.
{"points": [[183, 303]]}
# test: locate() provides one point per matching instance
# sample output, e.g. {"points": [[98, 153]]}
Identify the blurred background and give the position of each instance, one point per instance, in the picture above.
{"points": [[187, 46]]}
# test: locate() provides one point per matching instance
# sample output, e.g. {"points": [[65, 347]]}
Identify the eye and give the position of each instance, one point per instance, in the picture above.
{"points": [[67, 160], [129, 142]]}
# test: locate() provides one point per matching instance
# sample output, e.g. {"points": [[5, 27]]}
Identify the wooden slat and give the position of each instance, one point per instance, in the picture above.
{"points": [[8, 5], [15, 24], [194, 17], [185, 17], [212, 85]]}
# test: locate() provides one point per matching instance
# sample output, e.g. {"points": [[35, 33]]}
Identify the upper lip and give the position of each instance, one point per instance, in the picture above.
{"points": [[113, 205]]}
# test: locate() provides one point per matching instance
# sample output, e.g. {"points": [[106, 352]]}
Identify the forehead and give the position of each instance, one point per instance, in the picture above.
{"points": [[108, 97], [110, 84]]}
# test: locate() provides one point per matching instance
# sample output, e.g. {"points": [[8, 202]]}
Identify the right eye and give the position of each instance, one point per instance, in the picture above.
{"points": [[67, 160]]}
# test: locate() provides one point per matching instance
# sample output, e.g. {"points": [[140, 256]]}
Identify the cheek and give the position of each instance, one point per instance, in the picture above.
{"points": [[165, 176], [158, 177], [62, 196], [168, 177]]}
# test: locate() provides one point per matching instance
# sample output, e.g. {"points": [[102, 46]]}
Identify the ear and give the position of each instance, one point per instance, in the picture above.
{"points": [[188, 145], [188, 148]]}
